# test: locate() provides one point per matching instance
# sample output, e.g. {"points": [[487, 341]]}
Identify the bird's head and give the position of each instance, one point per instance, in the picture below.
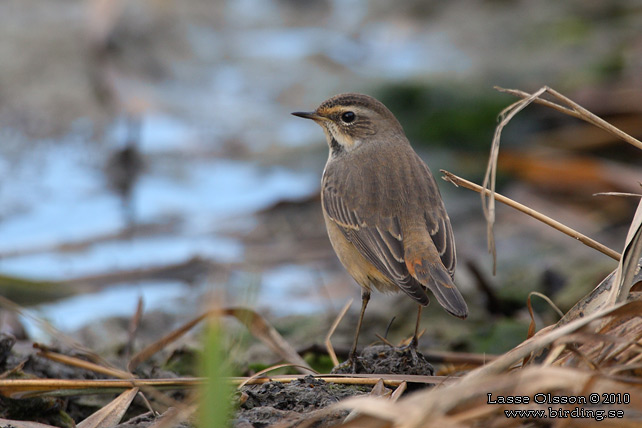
{"points": [[350, 120]]}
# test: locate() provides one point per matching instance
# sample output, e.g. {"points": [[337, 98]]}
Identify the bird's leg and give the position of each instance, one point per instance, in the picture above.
{"points": [[412, 346], [415, 338], [365, 298]]}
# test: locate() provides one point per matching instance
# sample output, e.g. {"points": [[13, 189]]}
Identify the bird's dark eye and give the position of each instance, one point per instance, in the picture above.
{"points": [[348, 117]]}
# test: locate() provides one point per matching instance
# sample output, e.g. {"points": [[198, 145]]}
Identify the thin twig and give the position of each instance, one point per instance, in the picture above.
{"points": [[260, 374], [547, 103], [150, 350], [488, 204], [577, 111], [335, 324], [384, 340], [448, 357], [393, 380], [458, 181], [134, 325], [82, 364], [547, 300], [24, 388], [623, 194]]}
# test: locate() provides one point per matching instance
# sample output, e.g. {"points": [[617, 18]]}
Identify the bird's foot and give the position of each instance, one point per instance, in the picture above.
{"points": [[410, 348], [350, 366]]}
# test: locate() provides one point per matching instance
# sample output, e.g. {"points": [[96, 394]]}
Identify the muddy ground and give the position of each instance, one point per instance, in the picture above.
{"points": [[257, 406]]}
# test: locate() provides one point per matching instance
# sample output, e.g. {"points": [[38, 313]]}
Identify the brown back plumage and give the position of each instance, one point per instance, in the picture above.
{"points": [[386, 202]]}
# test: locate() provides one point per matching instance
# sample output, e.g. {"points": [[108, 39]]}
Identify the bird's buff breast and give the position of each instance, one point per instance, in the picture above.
{"points": [[363, 272]]}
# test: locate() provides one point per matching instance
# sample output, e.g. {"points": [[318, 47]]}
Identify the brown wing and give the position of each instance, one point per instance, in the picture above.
{"points": [[432, 261], [377, 237], [367, 199], [439, 227]]}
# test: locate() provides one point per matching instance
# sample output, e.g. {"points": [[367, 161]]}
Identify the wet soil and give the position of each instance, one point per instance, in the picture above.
{"points": [[388, 359], [290, 403], [262, 405]]}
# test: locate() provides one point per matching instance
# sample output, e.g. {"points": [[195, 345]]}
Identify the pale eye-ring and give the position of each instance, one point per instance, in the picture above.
{"points": [[348, 117]]}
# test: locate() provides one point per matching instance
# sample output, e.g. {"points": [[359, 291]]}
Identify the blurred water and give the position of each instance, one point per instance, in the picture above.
{"points": [[284, 285], [67, 201], [235, 89], [122, 255], [119, 300]]}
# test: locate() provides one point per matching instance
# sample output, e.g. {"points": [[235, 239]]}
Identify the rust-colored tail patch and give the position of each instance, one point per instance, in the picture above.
{"points": [[436, 278]]}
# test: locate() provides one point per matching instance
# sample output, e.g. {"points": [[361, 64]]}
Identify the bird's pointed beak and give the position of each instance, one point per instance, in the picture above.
{"points": [[309, 115]]}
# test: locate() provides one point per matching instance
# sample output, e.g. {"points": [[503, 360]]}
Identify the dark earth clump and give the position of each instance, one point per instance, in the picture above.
{"points": [[147, 420], [270, 402], [303, 402], [387, 359]]}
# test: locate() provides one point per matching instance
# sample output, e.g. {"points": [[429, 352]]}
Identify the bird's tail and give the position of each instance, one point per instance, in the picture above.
{"points": [[434, 276]]}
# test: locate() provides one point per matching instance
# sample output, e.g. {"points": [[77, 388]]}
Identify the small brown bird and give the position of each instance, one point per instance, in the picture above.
{"points": [[382, 207]]}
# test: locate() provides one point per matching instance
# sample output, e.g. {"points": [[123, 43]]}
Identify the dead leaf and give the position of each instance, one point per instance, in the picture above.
{"points": [[111, 414], [153, 348], [262, 330], [629, 262]]}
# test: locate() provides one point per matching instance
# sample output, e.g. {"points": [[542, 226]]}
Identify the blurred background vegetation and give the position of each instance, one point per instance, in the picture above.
{"points": [[146, 149]]}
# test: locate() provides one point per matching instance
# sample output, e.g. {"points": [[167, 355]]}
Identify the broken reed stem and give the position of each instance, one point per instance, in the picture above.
{"points": [[337, 380], [150, 350], [260, 373], [24, 388], [335, 324], [576, 111], [85, 365], [371, 379], [458, 181], [488, 199]]}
